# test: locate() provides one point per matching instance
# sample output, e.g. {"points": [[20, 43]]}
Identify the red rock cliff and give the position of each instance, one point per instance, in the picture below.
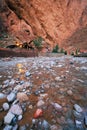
{"points": [[55, 20]]}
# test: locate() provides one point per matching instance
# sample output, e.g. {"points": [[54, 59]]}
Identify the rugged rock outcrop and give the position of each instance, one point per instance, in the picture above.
{"points": [[55, 20]]}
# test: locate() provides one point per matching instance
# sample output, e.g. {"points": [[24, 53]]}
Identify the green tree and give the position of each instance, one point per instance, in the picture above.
{"points": [[55, 49]]}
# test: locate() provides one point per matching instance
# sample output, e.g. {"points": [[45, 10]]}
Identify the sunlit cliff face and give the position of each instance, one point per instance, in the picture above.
{"points": [[54, 20]]}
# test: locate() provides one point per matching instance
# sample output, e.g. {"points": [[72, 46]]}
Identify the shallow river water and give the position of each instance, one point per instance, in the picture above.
{"points": [[61, 80]]}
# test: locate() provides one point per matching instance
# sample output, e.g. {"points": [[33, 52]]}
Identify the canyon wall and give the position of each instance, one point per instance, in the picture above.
{"points": [[54, 20]]}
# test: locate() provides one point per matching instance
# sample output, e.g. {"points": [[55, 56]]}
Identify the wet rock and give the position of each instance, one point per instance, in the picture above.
{"points": [[78, 108], [22, 82], [23, 106], [77, 114], [45, 125], [57, 106], [37, 92], [27, 74], [22, 97], [58, 79], [16, 109], [20, 117], [33, 121], [5, 106], [6, 82], [15, 127], [42, 90], [86, 120], [12, 82], [70, 122], [30, 107], [38, 113], [8, 127], [27, 84], [11, 97], [23, 127], [43, 95], [54, 127], [18, 87], [79, 124], [2, 95], [14, 121], [69, 92], [40, 103], [8, 118], [15, 102]]}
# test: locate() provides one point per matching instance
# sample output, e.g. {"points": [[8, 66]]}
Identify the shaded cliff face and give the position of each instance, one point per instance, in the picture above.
{"points": [[54, 20]]}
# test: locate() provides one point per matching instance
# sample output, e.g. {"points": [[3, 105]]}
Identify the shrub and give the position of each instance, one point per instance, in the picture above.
{"points": [[38, 42], [55, 49], [77, 51], [65, 52], [72, 53], [62, 50]]}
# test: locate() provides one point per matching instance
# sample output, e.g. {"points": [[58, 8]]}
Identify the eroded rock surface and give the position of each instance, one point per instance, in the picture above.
{"points": [[53, 20]]}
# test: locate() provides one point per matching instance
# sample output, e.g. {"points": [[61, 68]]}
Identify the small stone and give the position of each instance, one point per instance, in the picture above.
{"points": [[22, 127], [11, 97], [18, 87], [27, 84], [57, 106], [21, 82], [8, 118], [78, 124], [2, 95], [77, 114], [6, 82], [40, 103], [30, 107], [78, 108], [15, 127], [14, 121], [42, 90], [37, 92], [8, 127], [86, 120], [16, 109], [69, 92], [5, 106], [20, 117], [27, 74], [45, 125], [22, 97], [12, 82], [38, 113], [0, 76], [33, 121], [58, 79], [54, 127]]}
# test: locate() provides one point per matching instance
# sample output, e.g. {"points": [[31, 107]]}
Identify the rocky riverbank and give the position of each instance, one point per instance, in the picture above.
{"points": [[43, 93]]}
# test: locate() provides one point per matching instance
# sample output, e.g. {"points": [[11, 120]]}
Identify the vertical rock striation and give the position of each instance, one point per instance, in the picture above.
{"points": [[54, 20]]}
